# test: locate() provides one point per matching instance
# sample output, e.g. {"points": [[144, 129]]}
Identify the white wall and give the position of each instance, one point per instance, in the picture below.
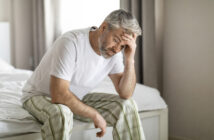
{"points": [[5, 47], [188, 68], [5, 41]]}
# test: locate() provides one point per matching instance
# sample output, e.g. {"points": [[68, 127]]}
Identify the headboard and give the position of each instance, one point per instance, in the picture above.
{"points": [[5, 52]]}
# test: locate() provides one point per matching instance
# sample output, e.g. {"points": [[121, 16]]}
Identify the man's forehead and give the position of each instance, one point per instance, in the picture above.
{"points": [[118, 30], [121, 31]]}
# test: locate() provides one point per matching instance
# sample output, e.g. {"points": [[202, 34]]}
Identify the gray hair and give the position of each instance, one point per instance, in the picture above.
{"points": [[121, 18]]}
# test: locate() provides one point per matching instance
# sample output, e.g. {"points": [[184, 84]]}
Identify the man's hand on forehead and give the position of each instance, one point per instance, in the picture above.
{"points": [[127, 32], [128, 37], [129, 41]]}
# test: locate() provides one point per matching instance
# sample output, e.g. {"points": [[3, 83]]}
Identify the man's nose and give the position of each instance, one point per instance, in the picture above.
{"points": [[116, 49]]}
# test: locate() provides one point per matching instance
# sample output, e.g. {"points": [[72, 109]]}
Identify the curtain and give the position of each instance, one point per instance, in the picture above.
{"points": [[136, 9], [148, 56], [45, 27]]}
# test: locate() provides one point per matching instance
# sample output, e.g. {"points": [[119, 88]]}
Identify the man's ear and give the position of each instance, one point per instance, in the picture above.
{"points": [[103, 27]]}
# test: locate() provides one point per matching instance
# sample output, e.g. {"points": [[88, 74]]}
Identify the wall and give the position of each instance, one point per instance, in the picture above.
{"points": [[5, 42], [188, 68]]}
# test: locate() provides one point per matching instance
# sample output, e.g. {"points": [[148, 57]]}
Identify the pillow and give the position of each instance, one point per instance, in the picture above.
{"points": [[4, 66]]}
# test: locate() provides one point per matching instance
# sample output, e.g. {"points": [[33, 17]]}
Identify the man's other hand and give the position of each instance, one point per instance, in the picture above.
{"points": [[99, 122]]}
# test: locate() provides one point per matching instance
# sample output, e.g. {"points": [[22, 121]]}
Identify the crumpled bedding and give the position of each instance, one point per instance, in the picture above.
{"points": [[13, 118]]}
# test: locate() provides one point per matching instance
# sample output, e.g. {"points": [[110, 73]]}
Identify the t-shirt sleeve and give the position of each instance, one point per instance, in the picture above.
{"points": [[118, 66], [64, 59]]}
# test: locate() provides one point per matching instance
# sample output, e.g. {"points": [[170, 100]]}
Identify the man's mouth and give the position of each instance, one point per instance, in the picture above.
{"points": [[110, 53], [107, 54]]}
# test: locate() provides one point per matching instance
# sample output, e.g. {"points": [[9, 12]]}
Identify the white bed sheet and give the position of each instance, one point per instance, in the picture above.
{"points": [[14, 120]]}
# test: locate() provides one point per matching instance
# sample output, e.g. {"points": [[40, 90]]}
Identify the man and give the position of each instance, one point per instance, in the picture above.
{"points": [[79, 60]]}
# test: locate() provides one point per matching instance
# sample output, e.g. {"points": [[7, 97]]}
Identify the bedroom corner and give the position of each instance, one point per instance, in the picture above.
{"points": [[173, 63]]}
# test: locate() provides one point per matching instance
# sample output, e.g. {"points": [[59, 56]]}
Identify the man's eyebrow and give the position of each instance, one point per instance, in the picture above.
{"points": [[117, 38]]}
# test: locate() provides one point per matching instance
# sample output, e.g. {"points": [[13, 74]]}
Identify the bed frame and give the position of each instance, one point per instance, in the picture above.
{"points": [[155, 125]]}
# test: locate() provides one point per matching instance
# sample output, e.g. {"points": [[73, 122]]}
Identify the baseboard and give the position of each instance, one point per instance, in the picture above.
{"points": [[177, 138]]}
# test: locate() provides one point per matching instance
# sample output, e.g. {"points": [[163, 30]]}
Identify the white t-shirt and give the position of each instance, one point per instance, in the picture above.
{"points": [[72, 58]]}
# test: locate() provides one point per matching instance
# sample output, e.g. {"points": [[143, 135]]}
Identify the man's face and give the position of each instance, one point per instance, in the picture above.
{"points": [[110, 42]]}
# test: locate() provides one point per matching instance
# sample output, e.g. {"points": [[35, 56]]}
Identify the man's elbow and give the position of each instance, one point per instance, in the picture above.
{"points": [[54, 99], [57, 98], [125, 96]]}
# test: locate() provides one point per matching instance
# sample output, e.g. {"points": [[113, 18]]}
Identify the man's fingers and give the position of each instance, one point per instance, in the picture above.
{"points": [[126, 37], [102, 132], [100, 122], [95, 126], [135, 36]]}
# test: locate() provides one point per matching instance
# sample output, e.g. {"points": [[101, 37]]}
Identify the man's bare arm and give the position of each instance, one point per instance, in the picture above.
{"points": [[60, 94], [128, 80], [125, 82]]}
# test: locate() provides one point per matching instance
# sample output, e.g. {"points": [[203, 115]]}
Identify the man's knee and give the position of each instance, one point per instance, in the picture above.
{"points": [[58, 121], [66, 112], [129, 104], [59, 114]]}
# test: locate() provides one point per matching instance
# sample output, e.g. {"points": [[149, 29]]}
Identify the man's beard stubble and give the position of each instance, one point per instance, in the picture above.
{"points": [[102, 49]]}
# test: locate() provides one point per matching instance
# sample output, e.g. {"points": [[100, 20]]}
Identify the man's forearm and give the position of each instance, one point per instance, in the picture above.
{"points": [[76, 106], [128, 80]]}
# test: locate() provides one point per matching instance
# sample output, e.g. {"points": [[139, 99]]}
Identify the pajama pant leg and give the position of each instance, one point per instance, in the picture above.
{"points": [[119, 113], [57, 119]]}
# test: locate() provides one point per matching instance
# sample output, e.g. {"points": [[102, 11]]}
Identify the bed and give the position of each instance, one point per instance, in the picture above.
{"points": [[17, 124]]}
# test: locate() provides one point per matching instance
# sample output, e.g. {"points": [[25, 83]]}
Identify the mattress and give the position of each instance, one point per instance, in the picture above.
{"points": [[14, 120], [147, 98]]}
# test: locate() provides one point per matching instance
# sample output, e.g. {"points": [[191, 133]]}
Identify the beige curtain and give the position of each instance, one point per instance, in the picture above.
{"points": [[45, 27], [149, 52]]}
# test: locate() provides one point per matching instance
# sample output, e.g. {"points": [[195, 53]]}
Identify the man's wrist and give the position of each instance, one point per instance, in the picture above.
{"points": [[129, 61], [94, 114]]}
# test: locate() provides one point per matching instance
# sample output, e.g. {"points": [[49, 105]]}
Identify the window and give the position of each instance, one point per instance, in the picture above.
{"points": [[76, 14]]}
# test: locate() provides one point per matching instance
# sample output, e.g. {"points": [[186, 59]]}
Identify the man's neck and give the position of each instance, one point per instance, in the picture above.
{"points": [[93, 39]]}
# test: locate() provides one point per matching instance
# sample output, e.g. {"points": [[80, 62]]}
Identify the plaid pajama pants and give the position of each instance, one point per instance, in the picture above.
{"points": [[57, 119]]}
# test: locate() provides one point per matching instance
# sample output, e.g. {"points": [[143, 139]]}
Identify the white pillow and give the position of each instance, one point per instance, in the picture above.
{"points": [[4, 66]]}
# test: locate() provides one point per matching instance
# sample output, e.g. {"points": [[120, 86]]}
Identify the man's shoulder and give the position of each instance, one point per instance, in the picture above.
{"points": [[75, 34]]}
